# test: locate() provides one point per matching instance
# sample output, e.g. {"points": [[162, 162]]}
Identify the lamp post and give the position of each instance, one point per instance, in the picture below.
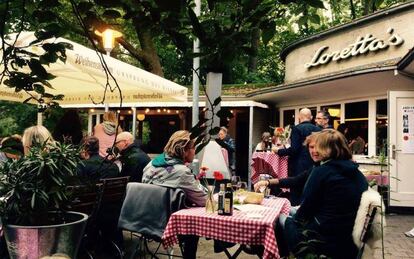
{"points": [[108, 39], [108, 42]]}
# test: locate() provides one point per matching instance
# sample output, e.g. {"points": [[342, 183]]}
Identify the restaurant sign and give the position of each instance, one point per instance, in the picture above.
{"points": [[362, 45]]}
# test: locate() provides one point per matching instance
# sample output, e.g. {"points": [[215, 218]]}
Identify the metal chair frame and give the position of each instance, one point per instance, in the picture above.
{"points": [[369, 219], [87, 199], [114, 193]]}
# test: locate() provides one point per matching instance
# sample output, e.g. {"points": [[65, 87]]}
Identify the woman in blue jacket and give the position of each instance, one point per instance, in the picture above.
{"points": [[331, 196]]}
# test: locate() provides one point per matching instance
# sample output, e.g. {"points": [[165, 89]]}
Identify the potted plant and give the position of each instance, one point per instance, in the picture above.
{"points": [[33, 200]]}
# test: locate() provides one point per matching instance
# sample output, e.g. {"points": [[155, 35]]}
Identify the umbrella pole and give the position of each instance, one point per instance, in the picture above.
{"points": [[39, 118]]}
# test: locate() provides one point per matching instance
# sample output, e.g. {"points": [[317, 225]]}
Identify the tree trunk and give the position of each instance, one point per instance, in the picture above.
{"points": [[147, 56], [254, 42], [353, 13]]}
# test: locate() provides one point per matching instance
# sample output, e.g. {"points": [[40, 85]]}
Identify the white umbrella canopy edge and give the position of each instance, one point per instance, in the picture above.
{"points": [[82, 79]]}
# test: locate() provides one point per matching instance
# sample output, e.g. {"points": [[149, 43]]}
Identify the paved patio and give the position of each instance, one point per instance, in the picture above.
{"points": [[397, 245]]}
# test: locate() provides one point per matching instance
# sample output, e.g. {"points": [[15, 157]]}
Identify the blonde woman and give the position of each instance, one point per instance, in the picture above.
{"points": [[330, 201], [169, 169], [106, 132], [35, 135]]}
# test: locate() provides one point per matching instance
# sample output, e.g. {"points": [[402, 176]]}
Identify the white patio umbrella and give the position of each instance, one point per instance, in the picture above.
{"points": [[82, 79]]}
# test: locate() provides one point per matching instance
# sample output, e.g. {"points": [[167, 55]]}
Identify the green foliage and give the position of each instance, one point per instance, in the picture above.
{"points": [[16, 117], [36, 184], [22, 68], [8, 126]]}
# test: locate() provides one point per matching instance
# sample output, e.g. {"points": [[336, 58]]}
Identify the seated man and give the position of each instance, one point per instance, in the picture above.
{"points": [[94, 167], [133, 159]]}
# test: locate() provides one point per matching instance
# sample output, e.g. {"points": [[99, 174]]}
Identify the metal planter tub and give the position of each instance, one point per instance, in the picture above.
{"points": [[34, 242]]}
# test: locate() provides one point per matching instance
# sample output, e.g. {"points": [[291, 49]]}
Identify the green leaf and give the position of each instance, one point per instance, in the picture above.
{"points": [[268, 32], [201, 146], [224, 113], [58, 97], [43, 16], [315, 19], [37, 69], [378, 3], [39, 88], [199, 139], [214, 131], [316, 3], [198, 29], [83, 7], [112, 14], [217, 101], [302, 20], [33, 200]]}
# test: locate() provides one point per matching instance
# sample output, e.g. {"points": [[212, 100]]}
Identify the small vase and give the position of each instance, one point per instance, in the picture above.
{"points": [[210, 202]]}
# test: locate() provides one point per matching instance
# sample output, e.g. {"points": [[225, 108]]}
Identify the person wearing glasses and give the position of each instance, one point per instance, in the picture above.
{"points": [[322, 119], [132, 158]]}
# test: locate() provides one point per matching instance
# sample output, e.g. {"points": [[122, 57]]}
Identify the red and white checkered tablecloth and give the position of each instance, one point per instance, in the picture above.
{"points": [[269, 163], [238, 228]]}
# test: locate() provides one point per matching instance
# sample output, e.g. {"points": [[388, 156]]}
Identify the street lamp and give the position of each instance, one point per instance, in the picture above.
{"points": [[108, 39]]}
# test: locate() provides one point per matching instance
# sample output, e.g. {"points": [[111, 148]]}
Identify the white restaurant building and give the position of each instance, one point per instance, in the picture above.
{"points": [[363, 73]]}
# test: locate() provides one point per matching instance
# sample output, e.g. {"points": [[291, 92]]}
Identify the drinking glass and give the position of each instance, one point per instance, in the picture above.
{"points": [[242, 186], [234, 182]]}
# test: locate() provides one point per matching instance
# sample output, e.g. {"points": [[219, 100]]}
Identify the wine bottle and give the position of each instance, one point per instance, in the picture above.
{"points": [[220, 210], [228, 200]]}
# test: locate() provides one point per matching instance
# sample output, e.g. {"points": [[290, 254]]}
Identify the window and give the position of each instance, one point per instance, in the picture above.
{"points": [[382, 126], [356, 117], [288, 117]]}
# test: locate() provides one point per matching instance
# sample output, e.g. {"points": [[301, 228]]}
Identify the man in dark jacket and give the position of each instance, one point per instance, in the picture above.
{"points": [[299, 157], [133, 159], [323, 119], [94, 167], [225, 141]]}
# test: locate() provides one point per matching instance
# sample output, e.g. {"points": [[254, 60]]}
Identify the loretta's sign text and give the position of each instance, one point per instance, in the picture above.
{"points": [[362, 45]]}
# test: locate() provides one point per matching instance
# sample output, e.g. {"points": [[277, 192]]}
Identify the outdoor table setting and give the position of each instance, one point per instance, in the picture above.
{"points": [[268, 163], [251, 225]]}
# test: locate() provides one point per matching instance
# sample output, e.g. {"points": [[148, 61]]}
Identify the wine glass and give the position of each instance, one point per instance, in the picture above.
{"points": [[242, 186], [234, 182]]}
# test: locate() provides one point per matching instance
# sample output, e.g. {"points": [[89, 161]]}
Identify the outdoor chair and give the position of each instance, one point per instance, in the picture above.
{"points": [[146, 211], [87, 199], [369, 223], [113, 195]]}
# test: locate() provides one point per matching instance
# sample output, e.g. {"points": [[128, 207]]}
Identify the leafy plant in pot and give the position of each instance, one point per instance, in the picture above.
{"points": [[34, 198]]}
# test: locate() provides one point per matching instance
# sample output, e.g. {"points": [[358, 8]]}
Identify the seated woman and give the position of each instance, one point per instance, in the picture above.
{"points": [[36, 135], [94, 167], [330, 202], [295, 183], [169, 169], [266, 143]]}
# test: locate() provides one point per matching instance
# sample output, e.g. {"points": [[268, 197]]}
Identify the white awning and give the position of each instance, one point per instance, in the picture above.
{"points": [[174, 104], [82, 79]]}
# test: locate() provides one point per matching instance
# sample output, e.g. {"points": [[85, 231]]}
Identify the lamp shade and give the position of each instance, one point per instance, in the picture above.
{"points": [[141, 116]]}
